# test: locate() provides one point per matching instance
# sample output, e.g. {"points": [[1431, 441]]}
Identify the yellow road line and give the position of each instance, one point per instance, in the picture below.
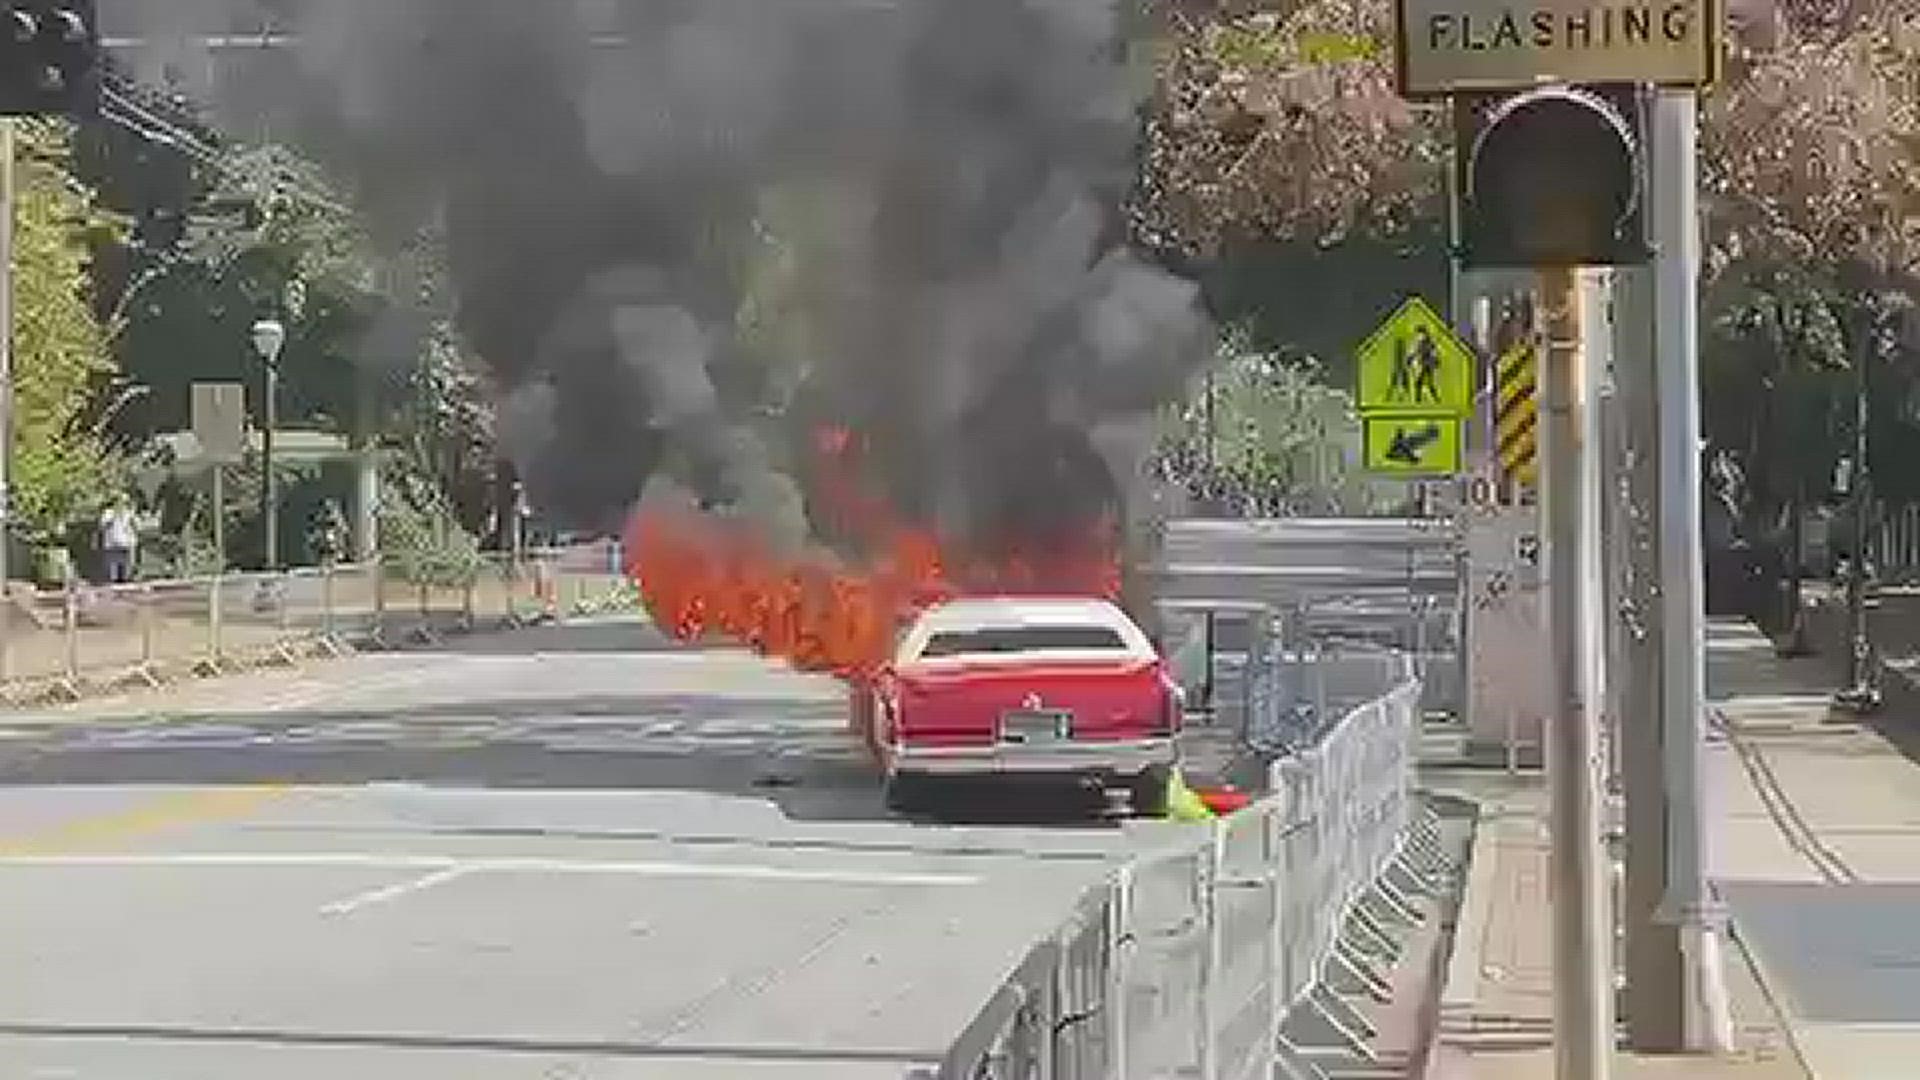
{"points": [[171, 811]]}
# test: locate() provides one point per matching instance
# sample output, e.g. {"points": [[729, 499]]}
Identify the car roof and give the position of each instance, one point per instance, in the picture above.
{"points": [[980, 611]]}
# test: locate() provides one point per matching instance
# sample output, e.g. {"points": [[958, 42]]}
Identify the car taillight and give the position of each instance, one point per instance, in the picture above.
{"points": [[1172, 709]]}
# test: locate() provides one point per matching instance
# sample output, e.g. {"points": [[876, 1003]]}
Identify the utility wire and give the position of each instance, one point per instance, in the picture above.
{"points": [[119, 107]]}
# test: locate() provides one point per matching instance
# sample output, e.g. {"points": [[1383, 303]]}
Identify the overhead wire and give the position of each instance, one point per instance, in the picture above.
{"points": [[118, 106]]}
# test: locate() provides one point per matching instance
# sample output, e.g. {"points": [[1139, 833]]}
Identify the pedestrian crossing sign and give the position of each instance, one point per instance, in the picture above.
{"points": [[1415, 364]]}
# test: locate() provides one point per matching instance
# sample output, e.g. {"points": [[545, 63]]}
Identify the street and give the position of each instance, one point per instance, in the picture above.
{"points": [[568, 852]]}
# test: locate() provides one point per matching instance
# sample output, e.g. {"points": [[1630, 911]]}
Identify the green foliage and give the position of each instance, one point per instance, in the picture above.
{"points": [[61, 467], [445, 428], [369, 353], [422, 540], [1265, 435]]}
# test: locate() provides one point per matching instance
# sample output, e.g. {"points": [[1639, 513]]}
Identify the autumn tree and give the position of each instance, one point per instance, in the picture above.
{"points": [[1809, 174]]}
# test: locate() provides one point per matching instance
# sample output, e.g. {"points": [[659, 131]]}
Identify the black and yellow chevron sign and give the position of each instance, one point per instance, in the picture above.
{"points": [[1516, 412]]}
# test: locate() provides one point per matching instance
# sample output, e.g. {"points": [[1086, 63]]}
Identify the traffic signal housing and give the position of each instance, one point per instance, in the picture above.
{"points": [[49, 58], [1554, 176]]}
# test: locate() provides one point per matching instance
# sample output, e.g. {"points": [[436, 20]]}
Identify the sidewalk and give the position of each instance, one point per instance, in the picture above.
{"points": [[1497, 1005], [1806, 806]]}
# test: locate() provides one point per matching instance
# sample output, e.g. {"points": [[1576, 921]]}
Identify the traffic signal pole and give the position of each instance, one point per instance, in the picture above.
{"points": [[1582, 938], [1688, 901]]}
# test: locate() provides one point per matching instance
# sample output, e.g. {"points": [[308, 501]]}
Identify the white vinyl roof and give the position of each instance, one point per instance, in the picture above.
{"points": [[985, 613]]}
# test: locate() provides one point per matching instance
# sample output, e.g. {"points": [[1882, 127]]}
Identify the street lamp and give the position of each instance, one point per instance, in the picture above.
{"points": [[269, 337]]}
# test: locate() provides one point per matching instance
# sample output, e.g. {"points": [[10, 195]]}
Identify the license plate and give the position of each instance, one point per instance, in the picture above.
{"points": [[1036, 725]]}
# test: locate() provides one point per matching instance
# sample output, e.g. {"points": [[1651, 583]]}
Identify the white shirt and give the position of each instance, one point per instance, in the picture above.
{"points": [[119, 529]]}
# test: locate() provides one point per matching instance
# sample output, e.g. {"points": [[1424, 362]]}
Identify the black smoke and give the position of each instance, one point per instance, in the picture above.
{"points": [[975, 311]]}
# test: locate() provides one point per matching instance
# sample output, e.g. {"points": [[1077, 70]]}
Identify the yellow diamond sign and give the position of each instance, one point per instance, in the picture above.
{"points": [[1415, 363], [1412, 445]]}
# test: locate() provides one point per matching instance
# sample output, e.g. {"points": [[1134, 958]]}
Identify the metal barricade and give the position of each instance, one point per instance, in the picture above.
{"points": [[65, 642], [1226, 954], [1164, 920]]}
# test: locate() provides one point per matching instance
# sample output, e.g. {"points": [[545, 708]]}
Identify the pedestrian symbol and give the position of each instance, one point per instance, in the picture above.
{"points": [[1415, 363], [1413, 445]]}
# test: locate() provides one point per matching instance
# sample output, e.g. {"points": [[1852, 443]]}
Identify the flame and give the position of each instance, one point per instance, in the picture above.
{"points": [[703, 575]]}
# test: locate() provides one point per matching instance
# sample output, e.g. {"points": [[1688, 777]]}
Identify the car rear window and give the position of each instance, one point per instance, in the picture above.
{"points": [[1013, 639]]}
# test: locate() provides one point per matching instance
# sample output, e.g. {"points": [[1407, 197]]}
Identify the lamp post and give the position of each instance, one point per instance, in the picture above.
{"points": [[269, 337]]}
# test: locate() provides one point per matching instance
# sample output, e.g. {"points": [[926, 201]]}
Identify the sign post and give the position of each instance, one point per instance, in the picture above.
{"points": [[220, 429]]}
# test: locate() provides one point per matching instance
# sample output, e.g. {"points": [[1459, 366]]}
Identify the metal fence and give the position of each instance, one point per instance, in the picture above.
{"points": [[1238, 950], [1895, 553], [63, 643]]}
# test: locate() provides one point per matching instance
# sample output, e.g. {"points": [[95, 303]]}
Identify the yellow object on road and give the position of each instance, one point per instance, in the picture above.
{"points": [[1182, 803]]}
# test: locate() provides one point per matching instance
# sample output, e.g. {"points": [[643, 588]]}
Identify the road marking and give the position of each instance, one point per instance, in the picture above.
{"points": [[1782, 701], [395, 891], [175, 810], [494, 865]]}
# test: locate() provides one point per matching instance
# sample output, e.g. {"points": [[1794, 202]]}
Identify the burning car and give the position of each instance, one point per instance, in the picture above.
{"points": [[997, 685]]}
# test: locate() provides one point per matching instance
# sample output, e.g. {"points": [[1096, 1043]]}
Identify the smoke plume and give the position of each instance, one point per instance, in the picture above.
{"points": [[602, 171]]}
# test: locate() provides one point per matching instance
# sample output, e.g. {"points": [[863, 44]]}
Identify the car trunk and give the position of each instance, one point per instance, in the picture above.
{"points": [[963, 705]]}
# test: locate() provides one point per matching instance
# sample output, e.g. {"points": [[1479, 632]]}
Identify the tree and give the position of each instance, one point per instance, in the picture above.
{"points": [[61, 465], [221, 233], [1808, 152], [1809, 172], [1263, 435], [1281, 163], [1281, 124]]}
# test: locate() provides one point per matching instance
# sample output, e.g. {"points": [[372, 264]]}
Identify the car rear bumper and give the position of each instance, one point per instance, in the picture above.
{"points": [[1130, 756]]}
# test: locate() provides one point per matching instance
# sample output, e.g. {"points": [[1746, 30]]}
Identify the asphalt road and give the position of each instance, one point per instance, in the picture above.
{"points": [[571, 853]]}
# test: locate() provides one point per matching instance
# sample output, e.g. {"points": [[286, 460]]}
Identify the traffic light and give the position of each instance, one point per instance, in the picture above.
{"points": [[49, 58], [1554, 176]]}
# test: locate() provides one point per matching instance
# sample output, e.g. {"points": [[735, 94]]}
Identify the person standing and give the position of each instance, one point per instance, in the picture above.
{"points": [[119, 540]]}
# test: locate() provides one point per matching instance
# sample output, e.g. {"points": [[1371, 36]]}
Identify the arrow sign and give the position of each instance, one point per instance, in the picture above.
{"points": [[1407, 445], [1416, 445]]}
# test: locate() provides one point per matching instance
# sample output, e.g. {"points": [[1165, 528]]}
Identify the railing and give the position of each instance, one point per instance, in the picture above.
{"points": [[1235, 952], [62, 643], [1896, 549]]}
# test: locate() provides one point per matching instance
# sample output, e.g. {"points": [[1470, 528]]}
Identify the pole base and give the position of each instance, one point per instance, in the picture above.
{"points": [[1858, 700], [1793, 644]]}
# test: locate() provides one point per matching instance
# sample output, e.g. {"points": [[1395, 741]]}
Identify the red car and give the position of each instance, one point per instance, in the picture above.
{"points": [[1001, 685]]}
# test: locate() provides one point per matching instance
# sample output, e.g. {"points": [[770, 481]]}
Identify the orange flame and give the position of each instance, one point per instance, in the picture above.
{"points": [[702, 575]]}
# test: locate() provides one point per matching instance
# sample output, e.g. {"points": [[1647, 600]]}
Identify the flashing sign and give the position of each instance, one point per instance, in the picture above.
{"points": [[1463, 46]]}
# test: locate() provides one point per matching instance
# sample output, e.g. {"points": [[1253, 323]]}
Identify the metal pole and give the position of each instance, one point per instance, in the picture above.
{"points": [[1655, 968], [1689, 902], [6, 391], [215, 608], [1794, 638], [1583, 990], [1859, 694], [270, 484]]}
